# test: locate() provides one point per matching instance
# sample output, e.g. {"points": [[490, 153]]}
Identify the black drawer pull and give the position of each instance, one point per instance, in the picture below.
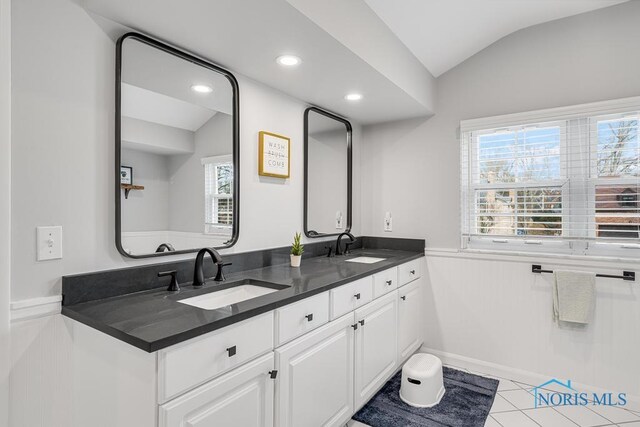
{"points": [[361, 322], [309, 317], [412, 381], [412, 272], [354, 326], [231, 351], [389, 282], [357, 296], [273, 374], [403, 297]]}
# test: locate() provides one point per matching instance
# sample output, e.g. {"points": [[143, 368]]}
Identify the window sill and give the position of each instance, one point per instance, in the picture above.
{"points": [[549, 258]]}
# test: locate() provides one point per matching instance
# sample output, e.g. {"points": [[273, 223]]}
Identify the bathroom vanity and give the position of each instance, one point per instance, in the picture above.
{"points": [[310, 353], [267, 345]]}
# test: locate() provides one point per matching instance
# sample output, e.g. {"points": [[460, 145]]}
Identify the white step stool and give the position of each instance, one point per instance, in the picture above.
{"points": [[422, 384]]}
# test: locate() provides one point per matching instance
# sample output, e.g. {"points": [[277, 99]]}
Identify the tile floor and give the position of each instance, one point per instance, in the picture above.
{"points": [[514, 407]]}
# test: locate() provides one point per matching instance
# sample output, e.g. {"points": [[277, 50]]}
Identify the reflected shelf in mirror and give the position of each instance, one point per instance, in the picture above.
{"points": [[128, 187]]}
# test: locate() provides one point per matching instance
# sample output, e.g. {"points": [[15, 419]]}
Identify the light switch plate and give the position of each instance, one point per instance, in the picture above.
{"points": [[49, 242], [388, 221]]}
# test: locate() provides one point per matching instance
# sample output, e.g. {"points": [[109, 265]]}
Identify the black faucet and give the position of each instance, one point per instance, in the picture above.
{"points": [[165, 247], [338, 244], [198, 274]]}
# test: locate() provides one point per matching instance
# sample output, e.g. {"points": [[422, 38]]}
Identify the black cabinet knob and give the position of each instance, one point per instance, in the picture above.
{"points": [[231, 351], [273, 374], [357, 296], [361, 322], [389, 282], [412, 272], [309, 317], [403, 297], [354, 326]]}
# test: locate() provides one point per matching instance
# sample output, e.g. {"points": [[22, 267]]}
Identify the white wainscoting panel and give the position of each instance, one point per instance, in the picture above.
{"points": [[41, 373], [35, 307], [498, 312]]}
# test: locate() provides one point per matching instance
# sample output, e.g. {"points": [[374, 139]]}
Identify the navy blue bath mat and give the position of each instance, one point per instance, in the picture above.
{"points": [[466, 403]]}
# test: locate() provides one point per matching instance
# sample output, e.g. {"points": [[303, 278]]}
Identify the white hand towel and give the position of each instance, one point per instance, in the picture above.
{"points": [[573, 296]]}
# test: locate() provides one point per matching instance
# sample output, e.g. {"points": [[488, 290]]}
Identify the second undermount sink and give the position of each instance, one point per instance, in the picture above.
{"points": [[233, 294], [366, 259]]}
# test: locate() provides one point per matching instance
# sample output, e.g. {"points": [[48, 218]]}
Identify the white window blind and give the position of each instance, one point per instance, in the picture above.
{"points": [[218, 189], [557, 181]]}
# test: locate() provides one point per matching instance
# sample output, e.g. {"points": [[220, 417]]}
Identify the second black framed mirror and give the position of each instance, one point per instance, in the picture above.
{"points": [[327, 173]]}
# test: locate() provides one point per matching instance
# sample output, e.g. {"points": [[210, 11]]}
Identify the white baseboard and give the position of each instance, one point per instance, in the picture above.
{"points": [[520, 375], [35, 307]]}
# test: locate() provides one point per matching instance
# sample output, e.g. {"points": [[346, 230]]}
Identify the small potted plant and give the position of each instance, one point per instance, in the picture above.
{"points": [[296, 251]]}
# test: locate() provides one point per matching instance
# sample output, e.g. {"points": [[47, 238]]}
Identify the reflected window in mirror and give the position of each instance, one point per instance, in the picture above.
{"points": [[177, 129], [327, 144], [218, 195]]}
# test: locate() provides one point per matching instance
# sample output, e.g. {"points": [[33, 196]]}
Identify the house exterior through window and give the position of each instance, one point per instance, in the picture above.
{"points": [[559, 181], [218, 197]]}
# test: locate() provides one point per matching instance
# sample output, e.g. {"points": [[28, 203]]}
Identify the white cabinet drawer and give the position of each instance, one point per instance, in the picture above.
{"points": [[350, 296], [408, 272], [385, 282], [186, 365], [300, 317]]}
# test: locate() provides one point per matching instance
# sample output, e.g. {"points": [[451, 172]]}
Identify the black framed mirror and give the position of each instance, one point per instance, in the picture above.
{"points": [[327, 173], [177, 159]]}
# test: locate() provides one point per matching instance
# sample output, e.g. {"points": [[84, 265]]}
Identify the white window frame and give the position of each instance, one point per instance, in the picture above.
{"points": [[604, 247], [214, 228], [577, 116]]}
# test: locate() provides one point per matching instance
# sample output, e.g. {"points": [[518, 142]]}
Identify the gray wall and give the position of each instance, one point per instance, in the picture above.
{"points": [[412, 167], [5, 206], [146, 210], [186, 210], [62, 150]]}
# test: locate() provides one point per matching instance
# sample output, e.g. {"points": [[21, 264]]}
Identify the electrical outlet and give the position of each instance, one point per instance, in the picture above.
{"points": [[338, 220], [49, 243], [388, 222]]}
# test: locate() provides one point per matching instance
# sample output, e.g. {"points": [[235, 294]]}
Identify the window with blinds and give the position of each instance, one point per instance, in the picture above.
{"points": [[567, 184], [218, 189]]}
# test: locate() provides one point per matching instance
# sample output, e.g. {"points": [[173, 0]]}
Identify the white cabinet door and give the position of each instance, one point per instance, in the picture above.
{"points": [[375, 346], [409, 319], [315, 377], [243, 397]]}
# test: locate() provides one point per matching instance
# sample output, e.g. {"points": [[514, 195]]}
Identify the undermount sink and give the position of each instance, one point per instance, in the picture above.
{"points": [[242, 291], [366, 259]]}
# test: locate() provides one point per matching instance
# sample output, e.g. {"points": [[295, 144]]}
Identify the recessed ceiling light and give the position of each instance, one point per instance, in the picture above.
{"points": [[353, 97], [202, 88], [288, 60]]}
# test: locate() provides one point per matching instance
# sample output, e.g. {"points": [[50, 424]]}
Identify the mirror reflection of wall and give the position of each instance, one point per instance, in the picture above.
{"points": [[328, 174], [177, 136]]}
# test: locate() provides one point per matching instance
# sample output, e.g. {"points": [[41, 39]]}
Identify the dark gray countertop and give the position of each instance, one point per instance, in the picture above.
{"points": [[152, 320]]}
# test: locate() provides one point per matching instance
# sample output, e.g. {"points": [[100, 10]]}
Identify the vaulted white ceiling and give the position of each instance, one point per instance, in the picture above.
{"points": [[246, 36], [443, 33]]}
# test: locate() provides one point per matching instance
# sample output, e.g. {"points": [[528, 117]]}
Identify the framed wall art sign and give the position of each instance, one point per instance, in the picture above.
{"points": [[126, 175], [273, 155]]}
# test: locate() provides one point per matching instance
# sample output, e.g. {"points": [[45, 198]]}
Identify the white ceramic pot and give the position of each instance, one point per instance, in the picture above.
{"points": [[295, 260]]}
